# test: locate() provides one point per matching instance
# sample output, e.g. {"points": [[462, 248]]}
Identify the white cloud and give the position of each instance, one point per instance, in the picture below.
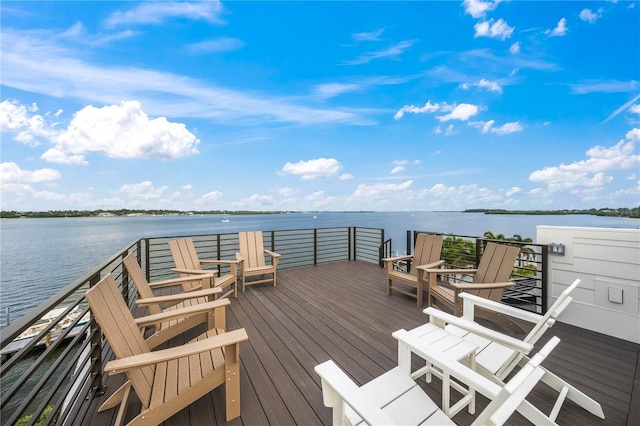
{"points": [[58, 156], [428, 107], [29, 127], [380, 190], [560, 29], [392, 52], [491, 86], [255, 201], [157, 13], [590, 17], [287, 192], [370, 36], [459, 112], [211, 196], [515, 48], [592, 171], [330, 90], [513, 190], [125, 131], [312, 169], [345, 176], [143, 190], [320, 199], [397, 169], [221, 44], [478, 8], [488, 127], [498, 29], [10, 172], [39, 62]]}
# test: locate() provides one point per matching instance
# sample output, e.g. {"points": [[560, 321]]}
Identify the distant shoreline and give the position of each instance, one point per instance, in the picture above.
{"points": [[613, 212]]}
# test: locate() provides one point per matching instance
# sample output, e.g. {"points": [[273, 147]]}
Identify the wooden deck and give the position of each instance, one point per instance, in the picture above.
{"points": [[341, 311]]}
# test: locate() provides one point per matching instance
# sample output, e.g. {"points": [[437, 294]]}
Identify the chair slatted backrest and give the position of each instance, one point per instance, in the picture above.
{"points": [[121, 331], [428, 249], [252, 248], [185, 256], [495, 266], [140, 281]]}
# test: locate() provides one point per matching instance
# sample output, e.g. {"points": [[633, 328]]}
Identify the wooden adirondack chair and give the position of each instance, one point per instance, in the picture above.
{"points": [[489, 281], [168, 380], [498, 354], [394, 398], [426, 255], [252, 257], [155, 305], [188, 263]]}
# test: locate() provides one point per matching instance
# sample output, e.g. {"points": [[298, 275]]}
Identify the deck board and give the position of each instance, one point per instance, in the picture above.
{"points": [[340, 311]]}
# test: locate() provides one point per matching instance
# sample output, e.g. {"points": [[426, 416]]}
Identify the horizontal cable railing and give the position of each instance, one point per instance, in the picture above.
{"points": [[52, 376]]}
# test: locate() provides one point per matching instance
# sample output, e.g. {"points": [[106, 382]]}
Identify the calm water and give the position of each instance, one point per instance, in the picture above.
{"points": [[41, 256]]}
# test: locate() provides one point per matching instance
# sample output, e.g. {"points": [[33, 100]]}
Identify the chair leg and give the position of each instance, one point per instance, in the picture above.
{"points": [[116, 398], [232, 384]]}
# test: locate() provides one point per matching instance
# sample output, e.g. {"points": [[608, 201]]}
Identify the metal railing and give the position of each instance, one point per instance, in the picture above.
{"points": [[51, 377]]}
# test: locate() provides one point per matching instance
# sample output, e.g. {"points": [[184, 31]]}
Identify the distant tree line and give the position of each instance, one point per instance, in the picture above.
{"points": [[12, 214], [633, 212]]}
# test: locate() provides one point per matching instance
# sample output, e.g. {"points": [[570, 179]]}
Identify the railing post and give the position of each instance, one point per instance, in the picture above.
{"points": [[125, 279], [315, 246], [147, 259], [409, 245], [96, 348], [355, 244], [382, 250], [479, 245], [544, 277]]}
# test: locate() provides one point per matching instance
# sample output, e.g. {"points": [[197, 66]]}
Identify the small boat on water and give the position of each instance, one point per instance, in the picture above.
{"points": [[225, 218], [62, 325]]}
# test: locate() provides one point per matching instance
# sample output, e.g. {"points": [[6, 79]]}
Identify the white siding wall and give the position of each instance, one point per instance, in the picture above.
{"points": [[607, 261]]}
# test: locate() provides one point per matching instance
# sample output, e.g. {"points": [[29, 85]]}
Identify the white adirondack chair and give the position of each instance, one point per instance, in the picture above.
{"points": [[499, 354], [394, 398]]}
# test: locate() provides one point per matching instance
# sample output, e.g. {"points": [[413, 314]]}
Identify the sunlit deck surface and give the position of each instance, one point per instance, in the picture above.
{"points": [[341, 311]]}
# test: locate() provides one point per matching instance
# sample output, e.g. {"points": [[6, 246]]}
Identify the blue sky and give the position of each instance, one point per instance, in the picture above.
{"points": [[390, 106]]}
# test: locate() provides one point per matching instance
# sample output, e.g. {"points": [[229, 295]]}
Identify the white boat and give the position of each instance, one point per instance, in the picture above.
{"points": [[225, 218], [51, 316]]}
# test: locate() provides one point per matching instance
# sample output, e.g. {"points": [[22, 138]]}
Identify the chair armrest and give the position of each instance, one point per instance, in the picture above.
{"points": [[239, 257], [178, 297], [175, 281], [451, 271], [219, 262], [203, 273], [473, 300], [272, 253], [181, 313], [150, 358], [397, 258], [429, 266], [480, 286], [440, 318]]}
